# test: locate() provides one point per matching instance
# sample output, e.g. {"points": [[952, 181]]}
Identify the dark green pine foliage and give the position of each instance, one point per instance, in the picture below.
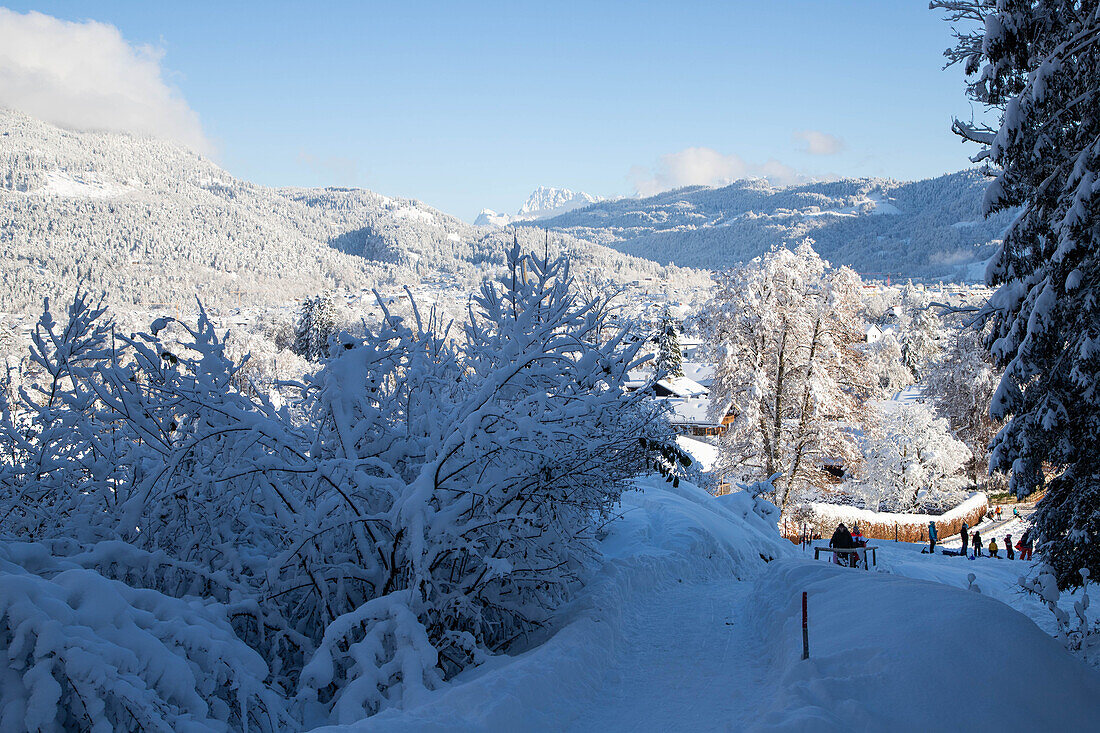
{"points": [[1038, 63], [318, 321]]}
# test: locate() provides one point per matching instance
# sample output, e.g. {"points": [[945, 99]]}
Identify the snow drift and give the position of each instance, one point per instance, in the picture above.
{"points": [[893, 653], [664, 536]]}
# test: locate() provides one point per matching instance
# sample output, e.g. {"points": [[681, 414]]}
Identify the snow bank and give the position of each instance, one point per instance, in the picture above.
{"points": [[893, 653], [81, 651], [882, 525], [665, 535], [998, 578]]}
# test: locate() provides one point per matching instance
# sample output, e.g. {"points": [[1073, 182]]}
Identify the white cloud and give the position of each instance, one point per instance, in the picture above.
{"points": [[819, 143], [706, 167], [86, 76]]}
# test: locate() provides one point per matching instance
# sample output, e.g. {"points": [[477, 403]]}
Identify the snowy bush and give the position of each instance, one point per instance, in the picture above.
{"points": [[430, 498], [912, 461], [470, 481], [1078, 632], [81, 652]]}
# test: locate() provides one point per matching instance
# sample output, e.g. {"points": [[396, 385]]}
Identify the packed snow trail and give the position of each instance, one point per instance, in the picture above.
{"points": [[688, 662], [684, 628]]}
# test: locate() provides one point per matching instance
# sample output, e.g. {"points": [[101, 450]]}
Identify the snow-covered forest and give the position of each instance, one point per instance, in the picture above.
{"points": [[155, 225], [787, 451], [930, 229]]}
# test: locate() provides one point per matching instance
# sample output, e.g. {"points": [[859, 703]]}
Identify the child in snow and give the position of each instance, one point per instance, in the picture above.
{"points": [[1009, 552], [857, 535], [1026, 545], [998, 512], [993, 549], [1015, 512], [976, 540], [964, 534]]}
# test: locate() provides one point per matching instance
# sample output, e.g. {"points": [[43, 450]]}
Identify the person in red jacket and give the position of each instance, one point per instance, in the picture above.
{"points": [[1026, 546]]}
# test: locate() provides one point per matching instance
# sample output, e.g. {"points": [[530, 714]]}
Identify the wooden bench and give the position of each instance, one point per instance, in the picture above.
{"points": [[859, 552]]}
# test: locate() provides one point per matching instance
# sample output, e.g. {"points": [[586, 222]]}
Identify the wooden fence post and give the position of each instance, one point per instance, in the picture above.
{"points": [[805, 630]]}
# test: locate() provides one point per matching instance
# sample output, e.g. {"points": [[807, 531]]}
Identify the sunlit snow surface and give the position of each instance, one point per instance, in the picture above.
{"points": [[684, 627], [79, 185]]}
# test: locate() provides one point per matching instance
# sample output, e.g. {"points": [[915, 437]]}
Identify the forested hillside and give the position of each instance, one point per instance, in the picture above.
{"points": [[925, 229], [151, 223]]}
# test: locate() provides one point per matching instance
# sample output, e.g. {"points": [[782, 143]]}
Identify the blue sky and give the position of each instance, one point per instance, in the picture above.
{"points": [[467, 106]]}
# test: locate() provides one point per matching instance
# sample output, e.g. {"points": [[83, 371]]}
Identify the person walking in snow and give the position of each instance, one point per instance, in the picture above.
{"points": [[1009, 552], [932, 537], [998, 512], [1016, 512], [993, 549], [964, 533], [976, 541]]}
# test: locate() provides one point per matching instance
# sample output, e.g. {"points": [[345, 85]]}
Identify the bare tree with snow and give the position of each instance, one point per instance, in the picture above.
{"points": [[913, 462], [785, 332]]}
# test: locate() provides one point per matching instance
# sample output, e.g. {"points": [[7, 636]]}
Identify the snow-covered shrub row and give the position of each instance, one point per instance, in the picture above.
{"points": [[427, 500], [823, 519]]}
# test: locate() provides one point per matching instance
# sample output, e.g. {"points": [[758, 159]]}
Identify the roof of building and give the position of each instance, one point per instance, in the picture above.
{"points": [[691, 411], [700, 372], [683, 387]]}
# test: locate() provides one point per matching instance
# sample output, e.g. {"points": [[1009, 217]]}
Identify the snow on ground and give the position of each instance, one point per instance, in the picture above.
{"points": [[997, 577], [667, 563], [79, 185], [892, 653], [683, 627], [882, 206]]}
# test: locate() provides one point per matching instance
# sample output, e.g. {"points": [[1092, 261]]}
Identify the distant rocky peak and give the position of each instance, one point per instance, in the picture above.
{"points": [[545, 201]]}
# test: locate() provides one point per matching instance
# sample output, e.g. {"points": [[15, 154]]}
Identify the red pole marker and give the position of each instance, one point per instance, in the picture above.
{"points": [[805, 630]]}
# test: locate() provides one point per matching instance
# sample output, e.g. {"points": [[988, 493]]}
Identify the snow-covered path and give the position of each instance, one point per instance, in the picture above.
{"points": [[688, 662], [684, 628]]}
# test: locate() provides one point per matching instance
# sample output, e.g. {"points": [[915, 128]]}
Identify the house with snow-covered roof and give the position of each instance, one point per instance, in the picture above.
{"points": [[679, 387]]}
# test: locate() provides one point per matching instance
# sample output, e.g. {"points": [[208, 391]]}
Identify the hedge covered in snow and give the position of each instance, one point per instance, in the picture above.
{"points": [[823, 519]]}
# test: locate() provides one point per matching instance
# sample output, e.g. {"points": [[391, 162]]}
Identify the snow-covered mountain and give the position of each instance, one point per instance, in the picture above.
{"points": [[544, 202], [923, 229], [149, 223]]}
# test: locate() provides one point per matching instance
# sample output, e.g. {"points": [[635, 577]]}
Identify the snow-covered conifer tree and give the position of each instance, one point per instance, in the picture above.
{"points": [[318, 320], [1038, 63], [669, 359]]}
